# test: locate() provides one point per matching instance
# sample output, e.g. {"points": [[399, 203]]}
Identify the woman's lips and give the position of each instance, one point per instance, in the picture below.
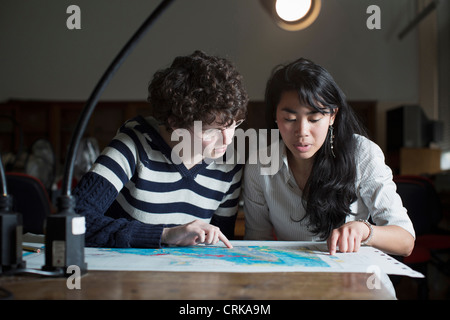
{"points": [[302, 147]]}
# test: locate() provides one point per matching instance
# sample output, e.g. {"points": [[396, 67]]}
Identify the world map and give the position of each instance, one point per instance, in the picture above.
{"points": [[245, 256], [248, 255]]}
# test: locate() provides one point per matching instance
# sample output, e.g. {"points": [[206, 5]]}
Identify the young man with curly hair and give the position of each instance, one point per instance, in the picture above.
{"points": [[140, 193]]}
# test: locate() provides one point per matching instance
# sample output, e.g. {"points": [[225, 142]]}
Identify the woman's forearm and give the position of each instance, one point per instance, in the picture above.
{"points": [[393, 240]]}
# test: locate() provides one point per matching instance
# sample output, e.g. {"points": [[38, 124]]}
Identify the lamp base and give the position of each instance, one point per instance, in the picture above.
{"points": [[11, 242], [64, 243]]}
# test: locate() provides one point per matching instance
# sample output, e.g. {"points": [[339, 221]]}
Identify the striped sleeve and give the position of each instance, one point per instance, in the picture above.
{"points": [[94, 195], [97, 190], [117, 163]]}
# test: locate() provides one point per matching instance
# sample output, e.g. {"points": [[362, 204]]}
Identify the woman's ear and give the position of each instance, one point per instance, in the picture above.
{"points": [[333, 115]]}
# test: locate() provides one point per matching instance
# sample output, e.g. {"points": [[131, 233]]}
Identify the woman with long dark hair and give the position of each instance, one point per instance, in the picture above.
{"points": [[332, 183]]}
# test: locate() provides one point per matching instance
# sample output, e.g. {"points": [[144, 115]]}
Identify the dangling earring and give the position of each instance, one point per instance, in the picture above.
{"points": [[332, 140]]}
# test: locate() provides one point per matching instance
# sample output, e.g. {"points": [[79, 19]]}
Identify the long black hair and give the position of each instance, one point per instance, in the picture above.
{"points": [[330, 188]]}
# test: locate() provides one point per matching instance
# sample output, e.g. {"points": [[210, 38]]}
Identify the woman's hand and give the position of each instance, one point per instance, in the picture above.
{"points": [[348, 237], [192, 233], [390, 239]]}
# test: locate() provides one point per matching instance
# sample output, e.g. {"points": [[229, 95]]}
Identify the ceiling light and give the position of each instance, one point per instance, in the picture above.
{"points": [[293, 15], [292, 10]]}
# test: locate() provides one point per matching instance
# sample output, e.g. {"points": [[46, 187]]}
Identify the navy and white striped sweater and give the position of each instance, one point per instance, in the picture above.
{"points": [[134, 190]]}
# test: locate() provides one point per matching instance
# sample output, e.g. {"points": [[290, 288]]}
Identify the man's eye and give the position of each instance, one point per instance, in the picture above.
{"points": [[211, 132]]}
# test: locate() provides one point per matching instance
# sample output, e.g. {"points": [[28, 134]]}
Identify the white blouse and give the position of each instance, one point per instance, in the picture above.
{"points": [[273, 203]]}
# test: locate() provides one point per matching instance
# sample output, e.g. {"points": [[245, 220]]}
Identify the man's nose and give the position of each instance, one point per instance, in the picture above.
{"points": [[227, 136]]}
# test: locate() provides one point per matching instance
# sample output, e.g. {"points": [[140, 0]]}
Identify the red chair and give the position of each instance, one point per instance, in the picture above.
{"points": [[425, 211]]}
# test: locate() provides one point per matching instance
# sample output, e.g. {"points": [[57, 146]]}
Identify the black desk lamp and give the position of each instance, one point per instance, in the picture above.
{"points": [[10, 231], [64, 238]]}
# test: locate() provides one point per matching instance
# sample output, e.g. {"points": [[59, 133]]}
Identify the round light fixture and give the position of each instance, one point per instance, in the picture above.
{"points": [[293, 15], [292, 10]]}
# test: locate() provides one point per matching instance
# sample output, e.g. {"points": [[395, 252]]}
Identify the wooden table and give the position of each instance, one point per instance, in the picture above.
{"points": [[151, 285]]}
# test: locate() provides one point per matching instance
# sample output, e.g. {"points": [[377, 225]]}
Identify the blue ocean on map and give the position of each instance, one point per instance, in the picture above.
{"points": [[246, 255]]}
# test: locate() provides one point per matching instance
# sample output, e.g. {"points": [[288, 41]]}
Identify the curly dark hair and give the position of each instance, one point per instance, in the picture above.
{"points": [[198, 87]]}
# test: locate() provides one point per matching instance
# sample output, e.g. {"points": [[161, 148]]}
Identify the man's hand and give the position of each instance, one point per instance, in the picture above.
{"points": [[195, 232]]}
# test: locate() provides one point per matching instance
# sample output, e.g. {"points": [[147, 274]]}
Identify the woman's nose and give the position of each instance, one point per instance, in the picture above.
{"points": [[302, 129]]}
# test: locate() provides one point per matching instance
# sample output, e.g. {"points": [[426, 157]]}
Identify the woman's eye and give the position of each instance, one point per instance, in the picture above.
{"points": [[290, 120], [314, 120]]}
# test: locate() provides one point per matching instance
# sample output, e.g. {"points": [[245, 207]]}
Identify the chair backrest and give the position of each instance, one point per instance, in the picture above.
{"points": [[30, 199], [421, 200]]}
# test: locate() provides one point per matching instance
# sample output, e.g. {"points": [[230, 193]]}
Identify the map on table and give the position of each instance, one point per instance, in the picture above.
{"points": [[263, 256], [245, 256]]}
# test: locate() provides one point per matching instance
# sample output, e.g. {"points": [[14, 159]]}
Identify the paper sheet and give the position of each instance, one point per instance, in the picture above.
{"points": [[246, 256]]}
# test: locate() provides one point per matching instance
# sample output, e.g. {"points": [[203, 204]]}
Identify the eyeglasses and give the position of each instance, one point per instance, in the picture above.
{"points": [[211, 133]]}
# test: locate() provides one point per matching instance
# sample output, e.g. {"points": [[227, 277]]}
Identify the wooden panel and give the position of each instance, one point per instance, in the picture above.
{"points": [[420, 161], [56, 121], [367, 114]]}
